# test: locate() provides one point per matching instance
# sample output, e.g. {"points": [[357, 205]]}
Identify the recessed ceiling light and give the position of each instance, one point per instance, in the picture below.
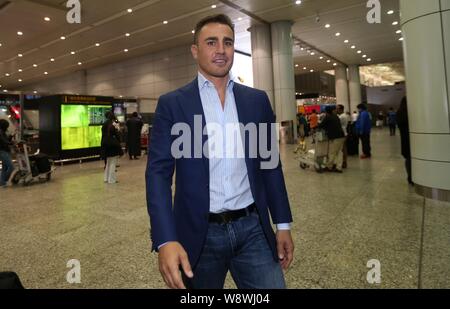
{"points": [[335, 64], [338, 33], [359, 51], [19, 33], [193, 31], [327, 26], [328, 60], [20, 55], [346, 41], [311, 71], [52, 59], [35, 65], [368, 59], [165, 22], [125, 50], [45, 73], [127, 34], [240, 18], [401, 39], [298, 2], [19, 80], [0, 44], [302, 48], [97, 44], [80, 63], [63, 38], [20, 70], [395, 23], [130, 10], [35, 92], [121, 96], [47, 18], [353, 47], [5, 90], [213, 6], [7, 74], [72, 53], [304, 68], [364, 56], [296, 65], [398, 31], [320, 57], [390, 12], [313, 53]]}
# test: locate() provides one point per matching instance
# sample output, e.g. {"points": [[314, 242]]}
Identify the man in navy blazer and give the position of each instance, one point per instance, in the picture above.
{"points": [[219, 218]]}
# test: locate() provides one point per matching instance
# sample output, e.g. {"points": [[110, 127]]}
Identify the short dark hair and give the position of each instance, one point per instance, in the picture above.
{"points": [[135, 114], [215, 19], [340, 106], [362, 106], [329, 109]]}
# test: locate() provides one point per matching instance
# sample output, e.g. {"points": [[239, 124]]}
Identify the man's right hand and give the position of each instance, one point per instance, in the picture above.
{"points": [[171, 255]]}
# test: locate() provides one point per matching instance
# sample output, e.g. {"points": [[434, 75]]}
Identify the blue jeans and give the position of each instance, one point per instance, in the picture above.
{"points": [[242, 248], [7, 167]]}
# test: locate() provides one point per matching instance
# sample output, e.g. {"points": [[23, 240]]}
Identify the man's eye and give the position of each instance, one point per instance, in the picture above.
{"points": [[211, 43], [229, 43]]}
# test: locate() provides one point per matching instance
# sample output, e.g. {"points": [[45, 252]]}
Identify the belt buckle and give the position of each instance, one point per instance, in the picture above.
{"points": [[225, 218]]}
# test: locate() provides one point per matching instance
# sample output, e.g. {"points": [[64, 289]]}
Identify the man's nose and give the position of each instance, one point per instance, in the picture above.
{"points": [[220, 48]]}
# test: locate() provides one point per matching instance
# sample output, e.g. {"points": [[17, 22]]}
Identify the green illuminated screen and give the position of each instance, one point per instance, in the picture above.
{"points": [[81, 125]]}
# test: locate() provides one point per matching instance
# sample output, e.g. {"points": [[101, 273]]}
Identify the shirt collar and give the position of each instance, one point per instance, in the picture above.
{"points": [[203, 81]]}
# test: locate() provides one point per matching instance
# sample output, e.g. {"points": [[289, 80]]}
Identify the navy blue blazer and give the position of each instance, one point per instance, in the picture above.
{"points": [[186, 218]]}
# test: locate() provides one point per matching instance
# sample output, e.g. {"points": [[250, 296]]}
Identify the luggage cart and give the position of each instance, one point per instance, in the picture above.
{"points": [[37, 167], [314, 153]]}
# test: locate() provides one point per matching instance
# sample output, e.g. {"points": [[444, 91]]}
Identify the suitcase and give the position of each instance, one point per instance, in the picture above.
{"points": [[41, 162], [353, 145]]}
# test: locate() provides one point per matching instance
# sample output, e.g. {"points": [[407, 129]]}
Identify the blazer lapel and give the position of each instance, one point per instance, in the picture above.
{"points": [[194, 108], [244, 110]]}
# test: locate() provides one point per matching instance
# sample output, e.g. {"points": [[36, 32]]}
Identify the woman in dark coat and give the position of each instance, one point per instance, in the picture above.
{"points": [[134, 126], [111, 148], [403, 125]]}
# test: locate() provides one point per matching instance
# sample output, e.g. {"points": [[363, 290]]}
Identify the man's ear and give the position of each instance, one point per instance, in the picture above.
{"points": [[194, 51]]}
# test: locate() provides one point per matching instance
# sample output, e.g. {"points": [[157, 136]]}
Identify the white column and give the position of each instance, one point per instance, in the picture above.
{"points": [[426, 32], [342, 97], [262, 59], [283, 73], [354, 86]]}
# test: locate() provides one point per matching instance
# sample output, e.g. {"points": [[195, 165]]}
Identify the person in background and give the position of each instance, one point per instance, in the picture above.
{"points": [[354, 117], [392, 121], [134, 126], [380, 120], [112, 148], [5, 153], [344, 118], [336, 138], [403, 126], [313, 123], [363, 128], [302, 131]]}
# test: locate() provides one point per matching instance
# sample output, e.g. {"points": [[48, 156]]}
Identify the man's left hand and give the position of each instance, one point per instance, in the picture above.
{"points": [[285, 247]]}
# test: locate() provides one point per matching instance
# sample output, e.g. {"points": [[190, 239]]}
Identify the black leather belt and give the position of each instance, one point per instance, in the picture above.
{"points": [[229, 216]]}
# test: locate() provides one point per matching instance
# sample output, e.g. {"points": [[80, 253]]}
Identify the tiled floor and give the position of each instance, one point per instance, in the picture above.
{"points": [[341, 222]]}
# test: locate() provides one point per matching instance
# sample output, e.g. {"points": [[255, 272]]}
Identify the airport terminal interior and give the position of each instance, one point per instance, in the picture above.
{"points": [[66, 65]]}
